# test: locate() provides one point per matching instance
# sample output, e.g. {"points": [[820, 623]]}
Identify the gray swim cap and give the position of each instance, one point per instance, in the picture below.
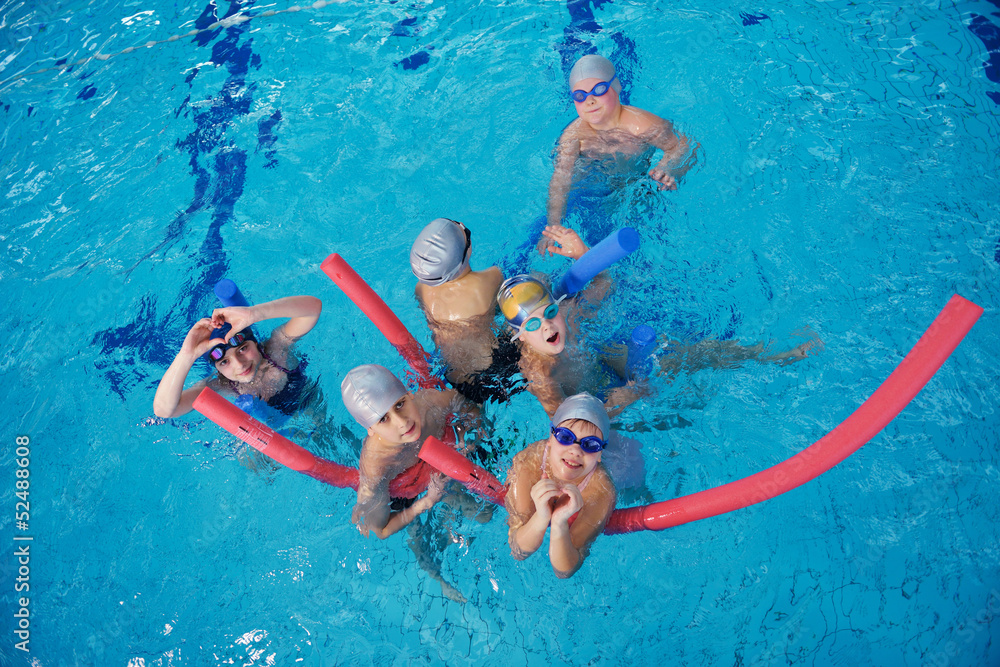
{"points": [[369, 392], [440, 253], [593, 67], [586, 407]]}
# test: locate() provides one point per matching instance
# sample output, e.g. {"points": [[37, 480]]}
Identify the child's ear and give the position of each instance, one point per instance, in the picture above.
{"points": [[371, 431]]}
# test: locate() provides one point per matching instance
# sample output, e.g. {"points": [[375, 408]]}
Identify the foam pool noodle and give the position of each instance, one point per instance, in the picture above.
{"points": [[640, 346], [617, 245]]}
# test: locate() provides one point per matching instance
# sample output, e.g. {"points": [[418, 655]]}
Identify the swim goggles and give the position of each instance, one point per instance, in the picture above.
{"points": [[521, 295], [219, 351], [468, 240], [590, 444], [597, 91], [549, 313]]}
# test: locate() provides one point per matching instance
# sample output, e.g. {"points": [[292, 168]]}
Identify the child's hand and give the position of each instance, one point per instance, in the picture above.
{"points": [[666, 181], [238, 317], [544, 494], [570, 243], [568, 503], [199, 339], [544, 244], [436, 488]]}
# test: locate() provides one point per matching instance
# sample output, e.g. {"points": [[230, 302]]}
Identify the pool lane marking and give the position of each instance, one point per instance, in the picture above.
{"points": [[228, 22]]}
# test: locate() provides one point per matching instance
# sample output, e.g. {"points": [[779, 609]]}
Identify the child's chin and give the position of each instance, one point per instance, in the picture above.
{"points": [[556, 347]]}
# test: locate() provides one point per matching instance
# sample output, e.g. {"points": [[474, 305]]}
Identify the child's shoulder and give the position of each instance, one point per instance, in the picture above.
{"points": [[575, 131], [530, 453], [487, 279], [639, 121], [601, 490], [439, 398]]}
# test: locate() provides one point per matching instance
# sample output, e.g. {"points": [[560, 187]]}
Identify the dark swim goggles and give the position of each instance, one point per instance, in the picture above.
{"points": [[597, 91], [219, 351], [590, 444]]}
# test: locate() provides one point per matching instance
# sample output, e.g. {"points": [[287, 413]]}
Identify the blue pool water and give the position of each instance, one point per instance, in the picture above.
{"points": [[847, 183]]}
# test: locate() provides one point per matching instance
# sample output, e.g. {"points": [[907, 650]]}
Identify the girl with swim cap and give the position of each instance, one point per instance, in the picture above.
{"points": [[554, 480], [553, 364], [267, 371]]}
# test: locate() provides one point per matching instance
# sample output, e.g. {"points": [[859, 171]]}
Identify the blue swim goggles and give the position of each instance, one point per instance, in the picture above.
{"points": [[219, 351], [590, 444], [597, 91]]}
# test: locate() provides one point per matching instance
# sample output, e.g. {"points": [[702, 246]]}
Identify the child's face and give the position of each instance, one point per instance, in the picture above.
{"points": [[597, 111], [550, 337], [240, 364], [570, 463], [402, 424]]}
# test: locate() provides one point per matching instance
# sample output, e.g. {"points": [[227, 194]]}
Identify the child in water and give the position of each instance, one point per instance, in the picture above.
{"points": [[552, 362], [553, 479], [459, 305], [268, 372], [391, 475], [606, 129], [555, 365]]}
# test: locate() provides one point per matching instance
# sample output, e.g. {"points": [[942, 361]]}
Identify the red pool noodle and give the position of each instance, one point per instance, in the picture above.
{"points": [[269, 443], [456, 466], [913, 372], [372, 305], [926, 357]]}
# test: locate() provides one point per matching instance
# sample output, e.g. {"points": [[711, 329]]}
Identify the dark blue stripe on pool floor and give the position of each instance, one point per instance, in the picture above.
{"points": [[219, 168]]}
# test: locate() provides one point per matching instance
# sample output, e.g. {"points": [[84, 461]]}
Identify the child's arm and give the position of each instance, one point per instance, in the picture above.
{"points": [[171, 399], [563, 553], [562, 174], [620, 398], [395, 521], [673, 165], [303, 312], [526, 539], [464, 415], [548, 392], [567, 544]]}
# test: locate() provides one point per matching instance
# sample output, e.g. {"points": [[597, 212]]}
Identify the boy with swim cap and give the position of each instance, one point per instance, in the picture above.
{"points": [[552, 480], [459, 306], [606, 127], [391, 475]]}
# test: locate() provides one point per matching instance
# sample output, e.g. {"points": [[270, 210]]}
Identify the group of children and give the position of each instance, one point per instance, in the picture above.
{"points": [[557, 485]]}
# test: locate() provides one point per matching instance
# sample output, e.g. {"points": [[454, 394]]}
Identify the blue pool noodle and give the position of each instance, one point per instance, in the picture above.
{"points": [[618, 244], [641, 344], [229, 294]]}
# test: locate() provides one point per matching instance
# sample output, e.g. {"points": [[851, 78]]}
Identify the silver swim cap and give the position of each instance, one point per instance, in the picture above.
{"points": [[369, 392], [593, 67], [586, 407], [441, 252]]}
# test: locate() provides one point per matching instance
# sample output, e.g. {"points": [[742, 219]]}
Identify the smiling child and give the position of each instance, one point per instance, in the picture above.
{"points": [[607, 128], [552, 480], [268, 372]]}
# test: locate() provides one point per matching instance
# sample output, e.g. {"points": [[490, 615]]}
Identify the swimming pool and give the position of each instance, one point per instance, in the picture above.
{"points": [[848, 184]]}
